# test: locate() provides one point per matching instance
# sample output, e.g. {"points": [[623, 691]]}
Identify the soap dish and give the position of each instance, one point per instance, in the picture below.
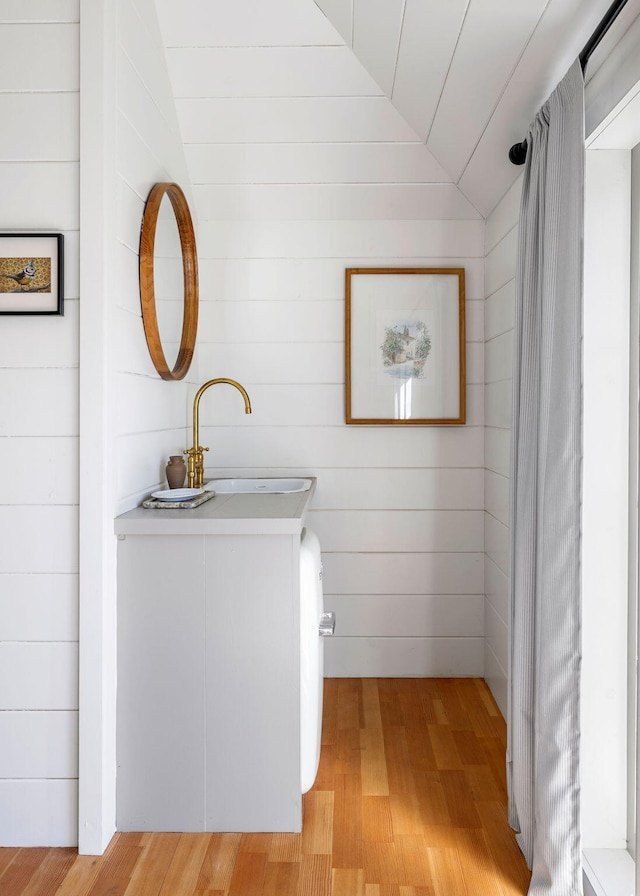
{"points": [[177, 494]]}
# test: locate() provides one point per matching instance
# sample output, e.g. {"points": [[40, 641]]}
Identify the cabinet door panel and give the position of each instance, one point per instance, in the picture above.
{"points": [[253, 683], [161, 674]]}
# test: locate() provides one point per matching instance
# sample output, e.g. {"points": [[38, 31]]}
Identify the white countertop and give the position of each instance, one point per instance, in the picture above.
{"points": [[263, 514]]}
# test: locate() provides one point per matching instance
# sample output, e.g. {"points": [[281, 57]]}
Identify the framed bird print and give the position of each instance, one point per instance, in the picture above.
{"points": [[31, 273]]}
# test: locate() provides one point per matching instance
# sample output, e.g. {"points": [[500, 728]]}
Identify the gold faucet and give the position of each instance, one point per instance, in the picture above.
{"points": [[195, 464]]}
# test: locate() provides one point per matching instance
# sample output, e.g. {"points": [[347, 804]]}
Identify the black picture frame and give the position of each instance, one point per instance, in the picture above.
{"points": [[31, 273]]}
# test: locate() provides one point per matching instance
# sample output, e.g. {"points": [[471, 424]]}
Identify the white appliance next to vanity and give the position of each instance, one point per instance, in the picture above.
{"points": [[209, 666]]}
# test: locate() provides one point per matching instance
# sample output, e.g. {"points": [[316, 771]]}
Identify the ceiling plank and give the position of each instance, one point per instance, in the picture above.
{"points": [[429, 36], [492, 40], [561, 34]]}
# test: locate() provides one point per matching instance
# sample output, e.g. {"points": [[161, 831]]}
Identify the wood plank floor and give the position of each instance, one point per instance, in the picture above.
{"points": [[410, 800]]}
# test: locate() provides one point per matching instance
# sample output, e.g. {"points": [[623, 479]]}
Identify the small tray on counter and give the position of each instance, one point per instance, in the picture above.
{"points": [[189, 504]]}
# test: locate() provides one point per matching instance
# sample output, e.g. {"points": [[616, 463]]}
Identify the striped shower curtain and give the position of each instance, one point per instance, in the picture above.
{"points": [[544, 674]]}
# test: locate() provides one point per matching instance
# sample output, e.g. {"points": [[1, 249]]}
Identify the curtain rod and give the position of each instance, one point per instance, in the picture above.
{"points": [[518, 152]]}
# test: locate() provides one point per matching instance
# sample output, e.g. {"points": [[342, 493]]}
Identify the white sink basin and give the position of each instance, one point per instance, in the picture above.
{"points": [[257, 486]]}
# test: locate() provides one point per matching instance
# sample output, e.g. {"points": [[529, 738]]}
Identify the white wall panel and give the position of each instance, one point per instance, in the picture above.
{"points": [[496, 635], [310, 279], [244, 24], [130, 344], [393, 615], [291, 119], [35, 744], [126, 282], [342, 239], [45, 46], [39, 676], [499, 312], [436, 489], [54, 183], [138, 39], [41, 11], [146, 404], [311, 447], [273, 362], [137, 106], [496, 585], [39, 812], [497, 404], [53, 344], [496, 678], [499, 357], [497, 445], [340, 14], [283, 163], [505, 216], [268, 71], [375, 38], [45, 111], [501, 262], [272, 321], [46, 470], [39, 607], [138, 165], [38, 539], [141, 459], [295, 202], [496, 496], [39, 402], [348, 573], [400, 530], [474, 320], [496, 536]]}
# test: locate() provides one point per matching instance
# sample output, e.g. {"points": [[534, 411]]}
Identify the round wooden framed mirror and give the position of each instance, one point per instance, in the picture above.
{"points": [[180, 207]]}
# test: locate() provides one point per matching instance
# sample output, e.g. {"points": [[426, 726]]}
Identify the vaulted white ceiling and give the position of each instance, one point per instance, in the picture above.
{"points": [[469, 75], [423, 96]]}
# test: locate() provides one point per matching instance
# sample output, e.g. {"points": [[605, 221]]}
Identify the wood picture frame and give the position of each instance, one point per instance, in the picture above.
{"points": [[31, 273], [405, 346]]}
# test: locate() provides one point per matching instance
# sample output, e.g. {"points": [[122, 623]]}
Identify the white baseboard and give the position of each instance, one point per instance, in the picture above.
{"points": [[404, 657]]}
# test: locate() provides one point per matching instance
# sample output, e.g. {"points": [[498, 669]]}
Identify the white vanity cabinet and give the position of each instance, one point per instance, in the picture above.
{"points": [[208, 715]]}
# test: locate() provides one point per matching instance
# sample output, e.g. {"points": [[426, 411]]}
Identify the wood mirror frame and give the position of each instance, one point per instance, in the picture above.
{"points": [[190, 280]]}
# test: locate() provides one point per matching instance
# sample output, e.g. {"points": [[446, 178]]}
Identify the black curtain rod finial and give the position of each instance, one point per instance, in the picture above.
{"points": [[518, 153]]}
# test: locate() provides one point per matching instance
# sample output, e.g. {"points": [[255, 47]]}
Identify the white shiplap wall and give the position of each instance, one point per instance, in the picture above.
{"points": [[39, 158], [301, 168], [500, 269], [152, 415], [39, 375]]}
